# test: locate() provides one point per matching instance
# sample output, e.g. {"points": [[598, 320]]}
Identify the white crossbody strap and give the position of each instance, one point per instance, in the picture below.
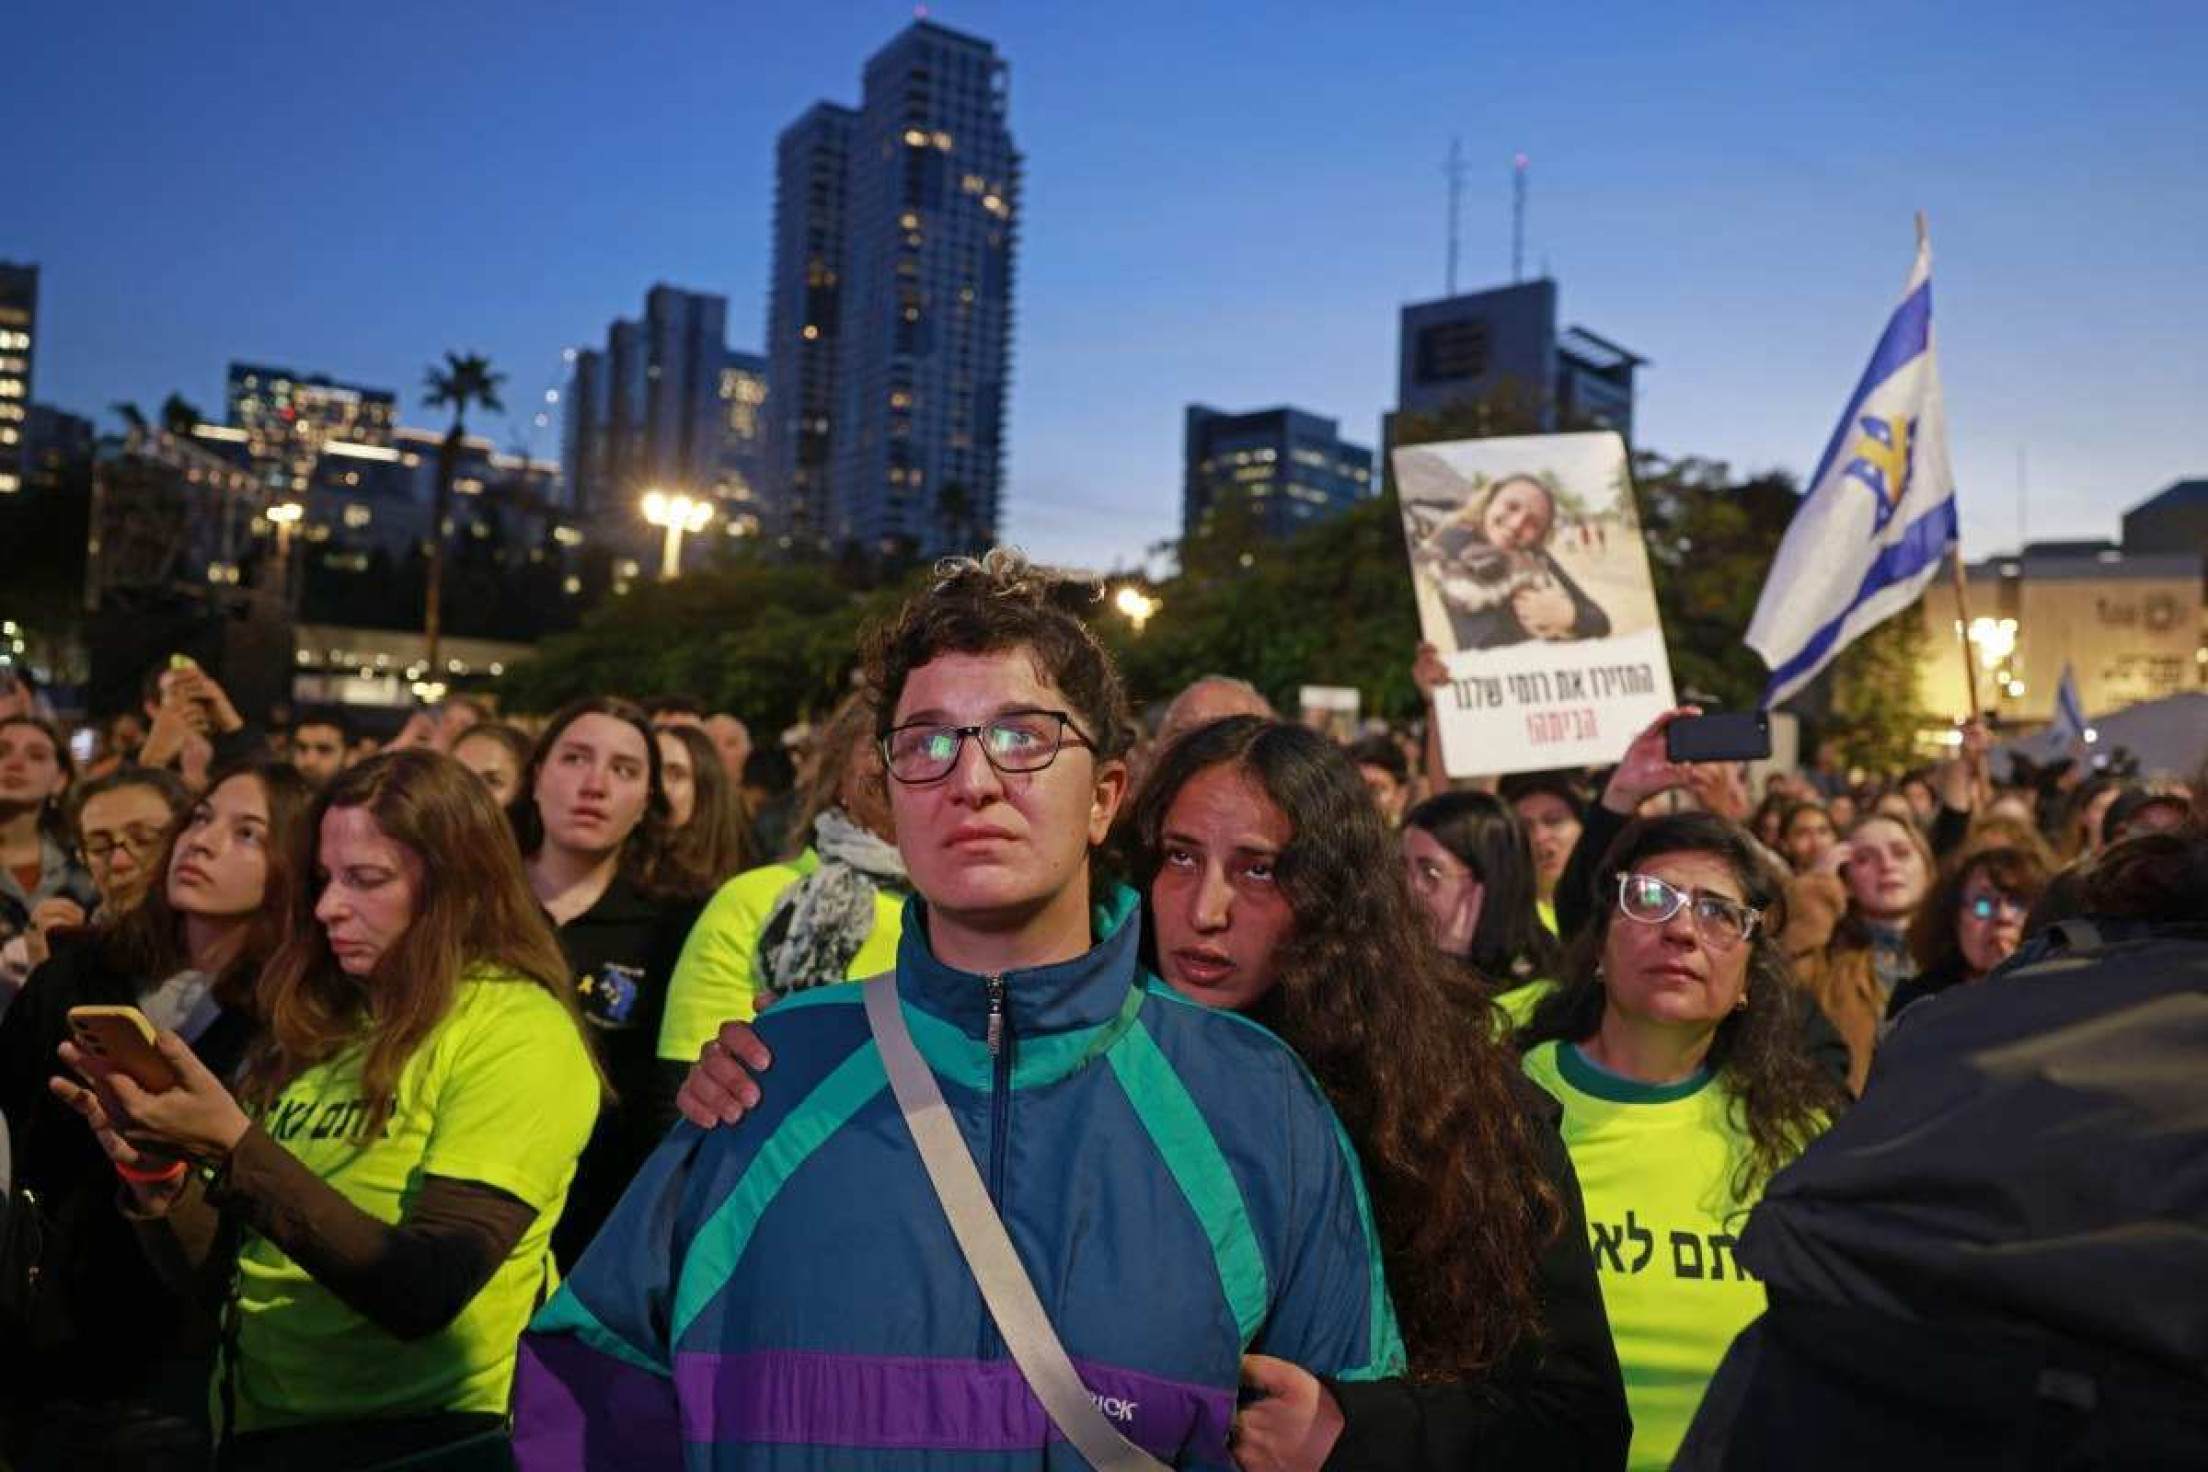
{"points": [[989, 1253]]}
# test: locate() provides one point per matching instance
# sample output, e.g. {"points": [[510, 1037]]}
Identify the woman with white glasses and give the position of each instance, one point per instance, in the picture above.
{"points": [[1675, 1047]]}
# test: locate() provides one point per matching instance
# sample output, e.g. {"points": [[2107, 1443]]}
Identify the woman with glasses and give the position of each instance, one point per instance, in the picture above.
{"points": [[186, 955], [787, 1291], [1674, 1047], [1972, 921]]}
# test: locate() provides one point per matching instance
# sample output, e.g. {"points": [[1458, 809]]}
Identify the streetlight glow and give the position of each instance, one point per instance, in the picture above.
{"points": [[679, 515], [1138, 607]]}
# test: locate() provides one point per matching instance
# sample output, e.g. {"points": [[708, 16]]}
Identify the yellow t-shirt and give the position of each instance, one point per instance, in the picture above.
{"points": [[1518, 1003], [716, 980], [501, 1092], [1655, 1164]]}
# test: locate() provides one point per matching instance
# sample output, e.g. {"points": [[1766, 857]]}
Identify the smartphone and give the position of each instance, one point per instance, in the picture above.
{"points": [[122, 1038], [1720, 736]]}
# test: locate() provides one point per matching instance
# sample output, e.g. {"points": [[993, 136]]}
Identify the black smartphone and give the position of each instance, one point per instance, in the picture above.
{"points": [[1720, 736]]}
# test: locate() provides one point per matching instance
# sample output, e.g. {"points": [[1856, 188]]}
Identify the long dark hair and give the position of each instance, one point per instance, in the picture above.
{"points": [[1402, 1047], [474, 909], [646, 854], [53, 821], [147, 940], [716, 843], [1780, 1096], [1510, 945]]}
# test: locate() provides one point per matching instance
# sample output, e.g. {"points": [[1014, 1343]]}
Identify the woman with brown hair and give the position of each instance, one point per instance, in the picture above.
{"points": [[710, 832], [38, 863], [373, 1207], [1847, 929], [832, 913], [185, 954], [1972, 920], [1675, 1047], [594, 823]]}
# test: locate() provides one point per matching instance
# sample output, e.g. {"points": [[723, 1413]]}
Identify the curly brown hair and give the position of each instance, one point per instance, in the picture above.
{"points": [[1405, 1049], [1781, 1097], [2018, 872], [990, 604]]}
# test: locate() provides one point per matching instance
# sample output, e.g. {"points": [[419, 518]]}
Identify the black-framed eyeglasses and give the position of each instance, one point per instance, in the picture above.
{"points": [[1017, 741], [1721, 922], [138, 838]]}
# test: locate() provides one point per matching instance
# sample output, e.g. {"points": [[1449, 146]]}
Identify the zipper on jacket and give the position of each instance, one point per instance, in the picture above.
{"points": [[1000, 1108]]}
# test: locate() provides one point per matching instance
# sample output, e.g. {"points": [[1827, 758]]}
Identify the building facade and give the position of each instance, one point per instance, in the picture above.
{"points": [[288, 416], [18, 354], [1292, 468], [665, 406], [1505, 344], [890, 308], [2129, 625], [804, 313]]}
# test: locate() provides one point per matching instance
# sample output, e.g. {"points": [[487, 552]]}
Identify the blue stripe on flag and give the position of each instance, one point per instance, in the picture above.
{"points": [[1908, 332], [1923, 544]]}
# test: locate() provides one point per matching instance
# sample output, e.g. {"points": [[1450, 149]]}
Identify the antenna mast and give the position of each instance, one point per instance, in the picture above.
{"points": [[1518, 220], [1453, 171]]}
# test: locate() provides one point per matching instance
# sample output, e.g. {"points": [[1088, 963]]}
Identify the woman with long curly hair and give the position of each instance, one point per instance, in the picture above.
{"points": [[373, 1206], [1274, 889], [1675, 1047]]}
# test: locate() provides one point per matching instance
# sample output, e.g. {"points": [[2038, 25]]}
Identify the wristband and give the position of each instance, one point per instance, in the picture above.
{"points": [[138, 1177]]}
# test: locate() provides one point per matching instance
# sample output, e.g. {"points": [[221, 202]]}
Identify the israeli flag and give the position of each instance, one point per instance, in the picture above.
{"points": [[1880, 513], [2069, 722]]}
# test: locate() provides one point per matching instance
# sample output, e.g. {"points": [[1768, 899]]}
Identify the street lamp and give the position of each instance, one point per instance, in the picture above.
{"points": [[1138, 606], [678, 514]]}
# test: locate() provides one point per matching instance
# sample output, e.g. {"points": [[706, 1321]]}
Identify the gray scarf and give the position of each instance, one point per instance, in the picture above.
{"points": [[820, 922]]}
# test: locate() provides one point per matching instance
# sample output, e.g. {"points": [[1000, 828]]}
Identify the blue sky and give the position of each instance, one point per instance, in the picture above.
{"points": [[1224, 203]]}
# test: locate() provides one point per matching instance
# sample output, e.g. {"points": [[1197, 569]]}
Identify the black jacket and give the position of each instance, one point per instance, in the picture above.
{"points": [[100, 1317], [1556, 1403], [621, 951]]}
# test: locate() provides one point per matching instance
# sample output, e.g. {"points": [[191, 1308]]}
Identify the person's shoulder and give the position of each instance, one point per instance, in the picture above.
{"points": [[751, 891], [1211, 1048], [491, 997], [1540, 1065], [816, 1028]]}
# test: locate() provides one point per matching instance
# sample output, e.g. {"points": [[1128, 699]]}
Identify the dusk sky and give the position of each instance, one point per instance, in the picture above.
{"points": [[1223, 203]]}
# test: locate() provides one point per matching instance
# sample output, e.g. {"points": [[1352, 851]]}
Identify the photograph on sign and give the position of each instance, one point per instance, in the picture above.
{"points": [[1533, 582]]}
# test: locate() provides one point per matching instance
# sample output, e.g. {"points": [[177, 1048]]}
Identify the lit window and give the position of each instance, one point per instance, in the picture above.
{"points": [[9, 485]]}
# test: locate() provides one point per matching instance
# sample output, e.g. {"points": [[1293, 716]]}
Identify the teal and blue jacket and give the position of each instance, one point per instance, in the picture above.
{"points": [[786, 1293]]}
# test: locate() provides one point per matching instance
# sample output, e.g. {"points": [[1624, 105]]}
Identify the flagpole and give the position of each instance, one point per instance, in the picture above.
{"points": [[1980, 777]]}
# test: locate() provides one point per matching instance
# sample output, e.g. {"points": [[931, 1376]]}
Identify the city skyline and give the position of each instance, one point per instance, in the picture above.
{"points": [[1724, 200]]}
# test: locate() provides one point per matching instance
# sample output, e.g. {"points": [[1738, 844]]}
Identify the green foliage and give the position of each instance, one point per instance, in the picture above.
{"points": [[1875, 711], [772, 643], [1330, 606], [1710, 543]]}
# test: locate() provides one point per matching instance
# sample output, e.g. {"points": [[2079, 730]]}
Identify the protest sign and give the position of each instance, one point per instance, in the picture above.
{"points": [[1533, 582]]}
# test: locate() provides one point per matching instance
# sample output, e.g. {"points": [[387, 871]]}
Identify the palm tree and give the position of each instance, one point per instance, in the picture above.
{"points": [[180, 416], [465, 379]]}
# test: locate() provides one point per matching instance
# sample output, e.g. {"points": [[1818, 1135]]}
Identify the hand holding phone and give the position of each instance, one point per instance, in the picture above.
{"points": [[122, 1040], [1719, 736]]}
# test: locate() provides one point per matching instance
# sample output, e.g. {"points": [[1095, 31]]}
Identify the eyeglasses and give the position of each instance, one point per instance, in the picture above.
{"points": [[1986, 906], [138, 838], [1722, 923], [1018, 741]]}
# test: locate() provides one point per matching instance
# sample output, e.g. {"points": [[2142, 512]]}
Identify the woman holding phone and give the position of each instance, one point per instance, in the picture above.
{"points": [[185, 955], [372, 1208]]}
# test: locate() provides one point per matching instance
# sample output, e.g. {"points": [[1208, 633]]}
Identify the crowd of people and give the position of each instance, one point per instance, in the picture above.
{"points": [[574, 1091]]}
